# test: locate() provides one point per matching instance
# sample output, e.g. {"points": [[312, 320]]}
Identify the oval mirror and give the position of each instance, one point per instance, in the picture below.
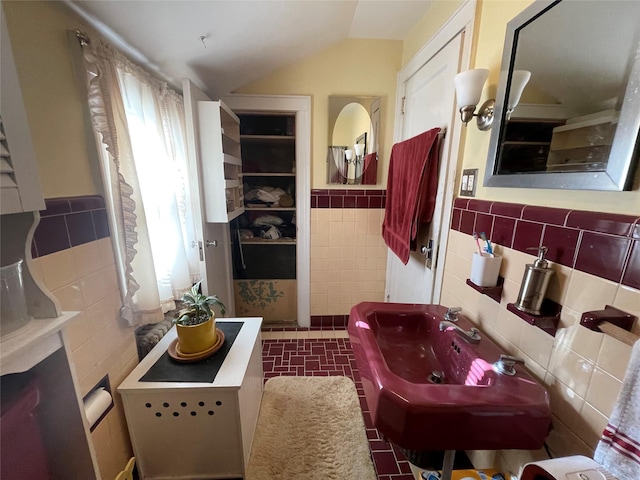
{"points": [[353, 131]]}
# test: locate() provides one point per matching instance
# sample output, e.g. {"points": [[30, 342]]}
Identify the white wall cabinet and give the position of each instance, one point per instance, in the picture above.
{"points": [[220, 157], [20, 187]]}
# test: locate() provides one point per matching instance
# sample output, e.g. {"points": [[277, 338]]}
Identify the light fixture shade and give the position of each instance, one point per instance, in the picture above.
{"points": [[519, 80], [469, 86], [359, 148], [348, 154]]}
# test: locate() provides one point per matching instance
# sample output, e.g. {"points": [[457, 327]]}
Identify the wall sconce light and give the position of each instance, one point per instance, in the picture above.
{"points": [[468, 90], [348, 155], [519, 80], [359, 148]]}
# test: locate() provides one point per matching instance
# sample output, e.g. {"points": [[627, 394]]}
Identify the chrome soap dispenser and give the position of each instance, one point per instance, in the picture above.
{"points": [[534, 283]]}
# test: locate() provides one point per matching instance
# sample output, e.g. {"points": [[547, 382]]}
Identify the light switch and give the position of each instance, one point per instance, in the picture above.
{"points": [[468, 183]]}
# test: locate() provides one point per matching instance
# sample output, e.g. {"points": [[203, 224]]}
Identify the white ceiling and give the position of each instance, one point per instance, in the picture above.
{"points": [[243, 39]]}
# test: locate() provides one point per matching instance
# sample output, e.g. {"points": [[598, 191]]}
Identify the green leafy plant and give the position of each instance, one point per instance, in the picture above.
{"points": [[197, 307]]}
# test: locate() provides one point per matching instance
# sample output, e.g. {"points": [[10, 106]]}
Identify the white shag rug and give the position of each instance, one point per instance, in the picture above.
{"points": [[310, 428]]}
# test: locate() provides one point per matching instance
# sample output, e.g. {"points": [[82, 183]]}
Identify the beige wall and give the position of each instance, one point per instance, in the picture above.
{"points": [[52, 99], [492, 18], [352, 67], [582, 370], [427, 27]]}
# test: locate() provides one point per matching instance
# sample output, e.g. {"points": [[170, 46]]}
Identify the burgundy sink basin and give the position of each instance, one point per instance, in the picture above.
{"points": [[398, 347]]}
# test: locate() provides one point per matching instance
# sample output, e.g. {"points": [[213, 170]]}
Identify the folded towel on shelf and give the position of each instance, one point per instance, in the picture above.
{"points": [[619, 448], [412, 185]]}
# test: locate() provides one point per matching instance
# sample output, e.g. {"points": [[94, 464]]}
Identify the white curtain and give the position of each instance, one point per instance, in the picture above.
{"points": [[140, 130]]}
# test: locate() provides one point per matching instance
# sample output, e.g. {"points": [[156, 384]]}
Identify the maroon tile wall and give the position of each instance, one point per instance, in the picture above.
{"points": [[603, 244], [68, 222], [329, 321], [348, 198]]}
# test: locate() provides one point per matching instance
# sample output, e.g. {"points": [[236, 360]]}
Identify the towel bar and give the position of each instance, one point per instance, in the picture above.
{"points": [[613, 322], [618, 333]]}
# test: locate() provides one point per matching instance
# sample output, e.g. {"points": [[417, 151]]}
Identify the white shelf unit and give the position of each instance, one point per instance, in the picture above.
{"points": [[220, 155]]}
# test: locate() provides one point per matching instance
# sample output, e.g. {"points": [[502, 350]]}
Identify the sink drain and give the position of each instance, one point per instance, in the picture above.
{"points": [[436, 377]]}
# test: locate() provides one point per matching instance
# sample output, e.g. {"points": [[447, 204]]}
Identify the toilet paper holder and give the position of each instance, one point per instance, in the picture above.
{"points": [[98, 402]]}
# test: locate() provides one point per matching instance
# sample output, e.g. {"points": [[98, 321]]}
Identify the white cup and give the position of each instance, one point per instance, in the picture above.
{"points": [[485, 269]]}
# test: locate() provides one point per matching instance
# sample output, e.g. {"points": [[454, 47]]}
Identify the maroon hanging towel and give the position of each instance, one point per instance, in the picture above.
{"points": [[412, 185]]}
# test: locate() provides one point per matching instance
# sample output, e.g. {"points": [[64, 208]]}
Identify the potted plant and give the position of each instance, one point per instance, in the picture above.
{"points": [[195, 323]]}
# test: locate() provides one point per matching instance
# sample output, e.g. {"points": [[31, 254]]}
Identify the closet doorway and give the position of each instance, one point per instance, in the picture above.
{"points": [[270, 241]]}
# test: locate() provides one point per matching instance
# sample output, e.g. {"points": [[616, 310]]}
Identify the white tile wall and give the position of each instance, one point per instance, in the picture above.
{"points": [[348, 259], [83, 279], [582, 370]]}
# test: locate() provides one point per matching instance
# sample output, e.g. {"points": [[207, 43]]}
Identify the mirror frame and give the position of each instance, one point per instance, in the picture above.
{"points": [[626, 143]]}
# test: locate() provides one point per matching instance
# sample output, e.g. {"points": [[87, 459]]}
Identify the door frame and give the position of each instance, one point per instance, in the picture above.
{"points": [[301, 106], [460, 23]]}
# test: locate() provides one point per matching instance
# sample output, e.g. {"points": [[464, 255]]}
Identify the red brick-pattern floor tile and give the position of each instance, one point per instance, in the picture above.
{"points": [[322, 357]]}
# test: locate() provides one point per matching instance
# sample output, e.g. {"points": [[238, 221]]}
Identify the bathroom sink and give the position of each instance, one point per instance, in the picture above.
{"points": [[429, 389]]}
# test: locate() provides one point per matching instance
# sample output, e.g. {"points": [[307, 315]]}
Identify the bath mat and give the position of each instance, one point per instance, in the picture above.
{"points": [[310, 428]]}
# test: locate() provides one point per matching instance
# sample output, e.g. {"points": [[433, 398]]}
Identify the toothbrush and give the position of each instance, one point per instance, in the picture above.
{"points": [[475, 237], [489, 249]]}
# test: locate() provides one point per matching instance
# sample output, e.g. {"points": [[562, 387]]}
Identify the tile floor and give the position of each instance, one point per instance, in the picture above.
{"points": [[323, 352]]}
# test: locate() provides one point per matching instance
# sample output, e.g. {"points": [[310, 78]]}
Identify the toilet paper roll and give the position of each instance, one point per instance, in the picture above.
{"points": [[96, 404]]}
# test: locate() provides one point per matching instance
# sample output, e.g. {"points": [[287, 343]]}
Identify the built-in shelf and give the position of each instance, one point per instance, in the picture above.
{"points": [[495, 293], [274, 174], [548, 319], [262, 138], [29, 345], [272, 209], [264, 241], [235, 213], [515, 142], [231, 159]]}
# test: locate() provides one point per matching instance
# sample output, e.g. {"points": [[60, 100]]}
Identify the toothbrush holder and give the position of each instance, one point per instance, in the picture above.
{"points": [[485, 269]]}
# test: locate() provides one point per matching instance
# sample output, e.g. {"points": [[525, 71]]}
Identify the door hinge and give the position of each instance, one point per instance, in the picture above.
{"points": [[402, 106]]}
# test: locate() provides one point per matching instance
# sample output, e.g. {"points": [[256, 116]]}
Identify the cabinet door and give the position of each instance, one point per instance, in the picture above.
{"points": [[20, 185], [213, 239], [220, 160]]}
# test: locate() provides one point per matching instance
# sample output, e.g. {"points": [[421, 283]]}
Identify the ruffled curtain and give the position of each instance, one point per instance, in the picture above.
{"points": [[140, 132]]}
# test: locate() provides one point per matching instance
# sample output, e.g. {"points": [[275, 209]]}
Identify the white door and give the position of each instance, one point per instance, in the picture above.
{"points": [[429, 102], [213, 239]]}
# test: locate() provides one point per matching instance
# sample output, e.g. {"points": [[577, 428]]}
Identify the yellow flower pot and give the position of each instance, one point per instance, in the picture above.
{"points": [[197, 338]]}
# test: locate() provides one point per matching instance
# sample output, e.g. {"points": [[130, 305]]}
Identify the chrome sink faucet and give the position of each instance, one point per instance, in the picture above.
{"points": [[452, 314], [506, 363], [471, 336]]}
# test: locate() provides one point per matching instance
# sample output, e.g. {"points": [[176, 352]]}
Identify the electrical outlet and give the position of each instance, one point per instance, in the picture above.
{"points": [[468, 183]]}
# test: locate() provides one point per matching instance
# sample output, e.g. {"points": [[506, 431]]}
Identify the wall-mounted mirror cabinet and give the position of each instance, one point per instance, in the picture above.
{"points": [[353, 140], [578, 121]]}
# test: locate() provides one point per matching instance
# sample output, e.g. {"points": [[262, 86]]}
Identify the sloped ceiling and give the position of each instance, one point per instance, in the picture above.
{"points": [[222, 45]]}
